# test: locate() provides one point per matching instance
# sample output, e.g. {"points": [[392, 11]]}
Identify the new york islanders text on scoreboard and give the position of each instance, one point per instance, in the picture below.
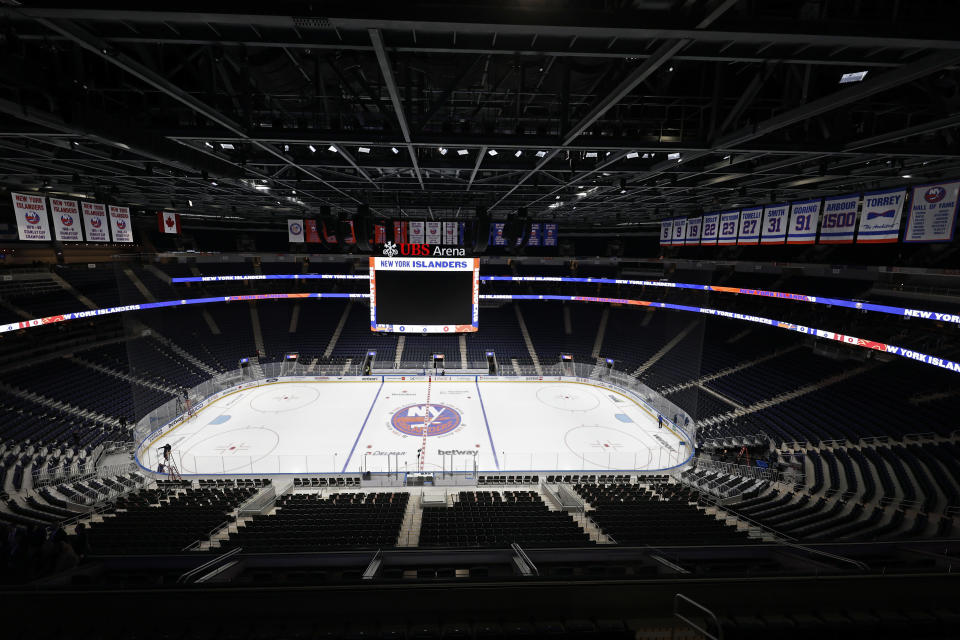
{"points": [[449, 306]]}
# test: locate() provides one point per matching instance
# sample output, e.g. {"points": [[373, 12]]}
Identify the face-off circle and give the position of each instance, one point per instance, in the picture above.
{"points": [[439, 418]]}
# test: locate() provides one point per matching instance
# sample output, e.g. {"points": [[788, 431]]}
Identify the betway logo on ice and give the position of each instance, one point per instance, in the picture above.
{"points": [[456, 452], [391, 249]]}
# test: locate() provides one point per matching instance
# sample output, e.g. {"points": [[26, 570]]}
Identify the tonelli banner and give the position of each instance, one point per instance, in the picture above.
{"points": [[121, 225], [310, 232], [933, 213], [95, 223], [66, 220], [839, 219], [31, 212], [750, 220], [880, 216], [804, 217]]}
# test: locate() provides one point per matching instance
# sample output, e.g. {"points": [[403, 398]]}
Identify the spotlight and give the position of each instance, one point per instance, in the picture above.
{"points": [[541, 154], [189, 203], [364, 149], [673, 156], [208, 144], [286, 148], [462, 152], [632, 155], [518, 153], [670, 69], [312, 148], [394, 149], [492, 152], [332, 149], [591, 154], [857, 76], [443, 151], [906, 175], [213, 183], [226, 145]]}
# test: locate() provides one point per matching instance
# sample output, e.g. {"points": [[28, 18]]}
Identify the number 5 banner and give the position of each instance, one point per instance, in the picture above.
{"points": [[666, 231], [804, 217]]}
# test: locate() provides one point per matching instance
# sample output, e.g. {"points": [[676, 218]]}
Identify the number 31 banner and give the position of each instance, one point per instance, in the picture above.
{"points": [[774, 224]]}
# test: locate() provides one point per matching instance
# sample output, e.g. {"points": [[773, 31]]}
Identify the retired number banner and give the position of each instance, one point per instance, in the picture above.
{"points": [[666, 231], [709, 228], [679, 230], [804, 217], [839, 219], [750, 220], [774, 224], [693, 230], [728, 227], [880, 216]]}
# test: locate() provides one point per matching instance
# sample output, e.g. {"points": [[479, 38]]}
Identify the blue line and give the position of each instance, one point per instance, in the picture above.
{"points": [[489, 435], [363, 426]]}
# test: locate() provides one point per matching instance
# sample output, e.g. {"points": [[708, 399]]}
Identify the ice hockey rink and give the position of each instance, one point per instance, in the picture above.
{"points": [[376, 425]]}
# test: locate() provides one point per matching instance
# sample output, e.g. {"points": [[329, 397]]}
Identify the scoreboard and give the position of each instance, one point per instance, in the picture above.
{"points": [[424, 295]]}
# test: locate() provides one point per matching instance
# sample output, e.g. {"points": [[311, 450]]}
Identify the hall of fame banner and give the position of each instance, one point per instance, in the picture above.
{"points": [[933, 213]]}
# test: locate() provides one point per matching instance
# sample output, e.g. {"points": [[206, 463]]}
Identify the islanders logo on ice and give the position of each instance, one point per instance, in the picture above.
{"points": [[439, 419]]}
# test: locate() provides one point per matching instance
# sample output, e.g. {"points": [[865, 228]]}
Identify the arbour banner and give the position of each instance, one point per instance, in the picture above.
{"points": [[933, 213], [31, 212], [804, 218], [750, 220], [774, 225], [66, 220], [839, 219], [880, 216], [95, 224], [121, 225]]}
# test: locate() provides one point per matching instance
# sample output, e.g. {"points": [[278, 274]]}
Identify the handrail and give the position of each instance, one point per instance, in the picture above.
{"points": [[184, 578], [209, 534], [526, 559], [863, 566], [676, 614]]}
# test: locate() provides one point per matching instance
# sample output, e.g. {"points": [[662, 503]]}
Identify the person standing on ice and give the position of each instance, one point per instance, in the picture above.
{"points": [[659, 421]]}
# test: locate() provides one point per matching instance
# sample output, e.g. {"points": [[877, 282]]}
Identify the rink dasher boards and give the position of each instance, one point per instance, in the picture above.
{"points": [[504, 430]]}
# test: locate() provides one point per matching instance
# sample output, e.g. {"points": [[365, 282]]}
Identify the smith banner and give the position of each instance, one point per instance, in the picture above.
{"points": [[711, 224], [121, 225], [31, 211], [728, 227], [750, 220], [804, 217], [774, 224], [839, 219], [666, 231], [95, 222], [66, 220], [693, 230], [880, 217], [933, 213]]}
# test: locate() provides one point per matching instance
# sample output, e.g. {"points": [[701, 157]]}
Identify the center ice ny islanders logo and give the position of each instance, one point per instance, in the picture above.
{"points": [[390, 249], [439, 419]]}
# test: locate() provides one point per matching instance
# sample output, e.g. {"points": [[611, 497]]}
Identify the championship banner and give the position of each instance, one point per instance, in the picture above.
{"points": [[693, 230], [310, 232], [679, 231], [400, 232], [496, 234], [450, 235], [839, 219], [880, 216], [66, 220], [551, 231], [750, 220], [729, 220], [95, 222], [379, 234], [433, 233], [774, 224], [804, 217], [295, 230], [168, 222], [666, 231], [121, 225], [708, 232], [416, 232], [31, 210], [933, 213], [536, 230]]}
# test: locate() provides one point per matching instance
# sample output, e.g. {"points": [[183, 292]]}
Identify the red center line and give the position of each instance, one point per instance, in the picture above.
{"points": [[427, 419]]}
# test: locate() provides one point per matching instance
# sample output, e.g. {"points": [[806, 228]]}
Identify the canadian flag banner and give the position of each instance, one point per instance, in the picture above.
{"points": [[169, 222]]}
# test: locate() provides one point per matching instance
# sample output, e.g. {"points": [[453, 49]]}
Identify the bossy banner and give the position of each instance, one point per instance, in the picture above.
{"points": [[31, 212], [708, 232], [66, 220]]}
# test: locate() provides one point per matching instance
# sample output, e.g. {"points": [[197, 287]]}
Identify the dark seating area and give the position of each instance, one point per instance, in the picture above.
{"points": [[499, 519], [311, 522]]}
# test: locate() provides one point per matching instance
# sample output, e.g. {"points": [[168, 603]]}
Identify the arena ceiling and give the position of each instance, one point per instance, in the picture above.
{"points": [[585, 111]]}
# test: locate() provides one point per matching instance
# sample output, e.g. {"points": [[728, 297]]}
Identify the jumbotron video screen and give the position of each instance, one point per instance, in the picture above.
{"points": [[424, 295]]}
